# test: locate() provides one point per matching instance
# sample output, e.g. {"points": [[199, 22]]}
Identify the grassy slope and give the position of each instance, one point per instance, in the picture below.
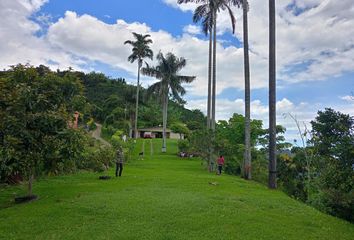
{"points": [[162, 197]]}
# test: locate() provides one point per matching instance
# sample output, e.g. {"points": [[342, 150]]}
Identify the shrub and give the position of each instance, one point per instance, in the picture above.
{"points": [[91, 124], [127, 145], [183, 145], [99, 159]]}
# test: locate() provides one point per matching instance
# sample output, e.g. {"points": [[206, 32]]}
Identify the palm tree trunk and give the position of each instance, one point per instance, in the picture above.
{"points": [[209, 81], [164, 122], [272, 182], [247, 156], [214, 76], [137, 102]]}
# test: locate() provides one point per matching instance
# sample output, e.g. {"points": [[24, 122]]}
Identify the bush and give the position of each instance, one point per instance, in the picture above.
{"points": [[108, 131], [183, 145], [91, 124], [99, 159], [127, 146], [232, 165]]}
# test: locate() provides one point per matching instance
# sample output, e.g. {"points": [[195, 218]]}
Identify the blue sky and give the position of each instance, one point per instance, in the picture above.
{"points": [[315, 51], [153, 12]]}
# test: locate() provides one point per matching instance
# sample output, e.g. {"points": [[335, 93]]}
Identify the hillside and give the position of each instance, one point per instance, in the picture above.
{"points": [[162, 197]]}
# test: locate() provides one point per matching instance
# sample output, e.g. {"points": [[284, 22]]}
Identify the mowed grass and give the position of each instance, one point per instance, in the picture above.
{"points": [[162, 197]]}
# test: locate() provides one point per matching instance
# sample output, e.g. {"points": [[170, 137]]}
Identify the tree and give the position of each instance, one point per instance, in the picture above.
{"points": [[333, 141], [170, 83], [247, 153], [247, 165], [304, 135], [204, 12], [207, 13], [180, 128], [272, 182], [33, 120], [140, 51]]}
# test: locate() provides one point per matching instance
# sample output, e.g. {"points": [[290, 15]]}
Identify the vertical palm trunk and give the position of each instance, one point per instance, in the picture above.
{"points": [[210, 67], [214, 75], [164, 122], [272, 183], [247, 154], [137, 102], [209, 80]]}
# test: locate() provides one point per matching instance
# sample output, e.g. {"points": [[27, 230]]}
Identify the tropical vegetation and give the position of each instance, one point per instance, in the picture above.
{"points": [[50, 130], [140, 51], [167, 71], [162, 196]]}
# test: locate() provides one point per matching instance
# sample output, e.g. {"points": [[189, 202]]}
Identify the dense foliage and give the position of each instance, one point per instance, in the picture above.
{"points": [[228, 141], [333, 173], [321, 173], [36, 111], [113, 102], [37, 107], [34, 114]]}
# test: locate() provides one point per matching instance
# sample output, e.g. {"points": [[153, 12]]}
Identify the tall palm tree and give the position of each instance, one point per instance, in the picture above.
{"points": [[207, 13], [170, 83], [204, 13], [247, 165], [247, 153], [140, 51], [272, 182], [216, 6]]}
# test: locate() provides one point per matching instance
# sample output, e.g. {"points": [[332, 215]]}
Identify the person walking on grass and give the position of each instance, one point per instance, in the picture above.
{"points": [[220, 162], [119, 161]]}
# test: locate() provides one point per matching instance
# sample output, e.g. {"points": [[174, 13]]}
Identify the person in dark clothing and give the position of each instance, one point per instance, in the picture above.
{"points": [[119, 161], [221, 162]]}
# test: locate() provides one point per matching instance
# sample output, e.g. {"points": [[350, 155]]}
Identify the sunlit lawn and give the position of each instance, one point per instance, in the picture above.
{"points": [[161, 197]]}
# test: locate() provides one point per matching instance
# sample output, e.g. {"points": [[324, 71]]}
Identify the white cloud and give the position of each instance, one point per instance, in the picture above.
{"points": [[321, 36], [225, 108], [303, 112], [184, 7], [192, 29], [348, 98], [326, 44], [18, 43], [88, 37], [314, 35]]}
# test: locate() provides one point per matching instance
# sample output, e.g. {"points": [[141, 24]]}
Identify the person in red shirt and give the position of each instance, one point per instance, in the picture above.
{"points": [[220, 162]]}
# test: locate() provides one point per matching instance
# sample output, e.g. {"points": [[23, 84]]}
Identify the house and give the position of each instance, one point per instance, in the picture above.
{"points": [[156, 132]]}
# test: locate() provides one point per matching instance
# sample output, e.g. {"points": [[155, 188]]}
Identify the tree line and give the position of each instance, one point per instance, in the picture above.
{"points": [[319, 172], [37, 107]]}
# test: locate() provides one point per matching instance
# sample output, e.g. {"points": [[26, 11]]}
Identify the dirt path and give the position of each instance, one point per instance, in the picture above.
{"points": [[97, 135]]}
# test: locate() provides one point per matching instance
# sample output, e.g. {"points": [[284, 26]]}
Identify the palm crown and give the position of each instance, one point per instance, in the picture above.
{"points": [[170, 83], [140, 51], [207, 11], [141, 48], [167, 71]]}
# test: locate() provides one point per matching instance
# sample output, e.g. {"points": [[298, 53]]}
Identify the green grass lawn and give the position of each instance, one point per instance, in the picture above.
{"points": [[161, 197]]}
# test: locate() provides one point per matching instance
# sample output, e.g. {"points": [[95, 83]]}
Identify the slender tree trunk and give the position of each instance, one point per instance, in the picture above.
{"points": [[164, 122], [137, 102], [214, 76], [30, 184], [247, 154], [209, 80], [272, 99]]}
